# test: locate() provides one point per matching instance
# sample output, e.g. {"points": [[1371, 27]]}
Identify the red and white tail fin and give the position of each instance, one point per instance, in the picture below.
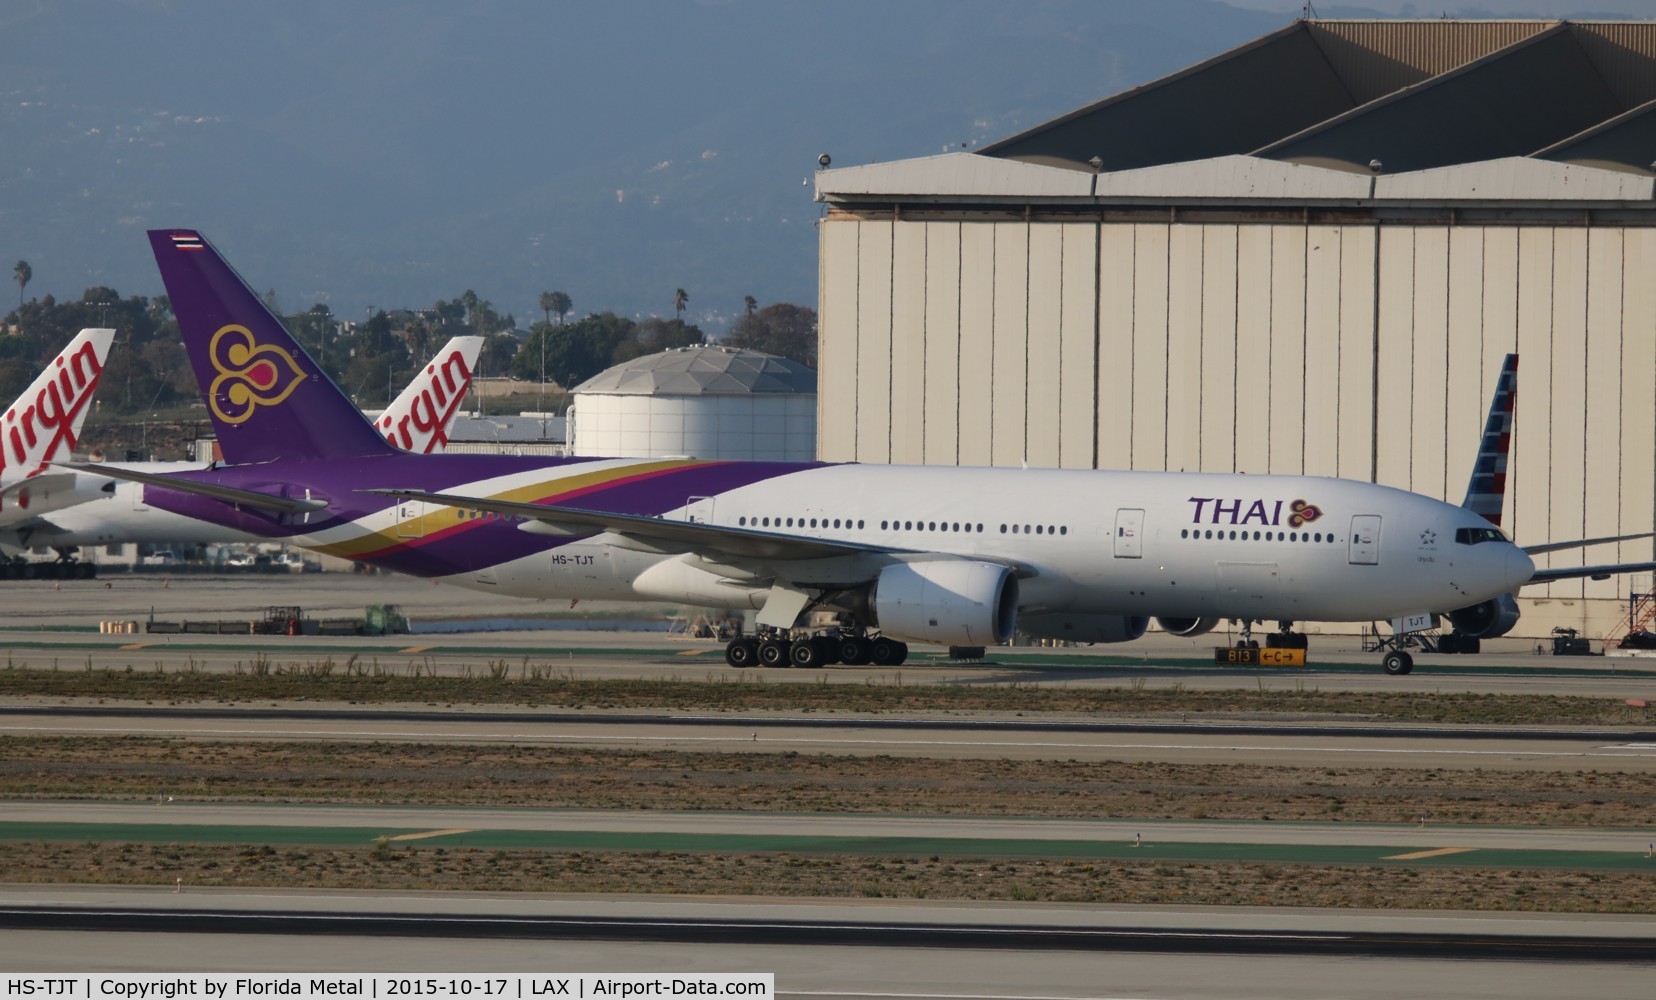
{"points": [[1486, 493], [420, 418], [42, 426]]}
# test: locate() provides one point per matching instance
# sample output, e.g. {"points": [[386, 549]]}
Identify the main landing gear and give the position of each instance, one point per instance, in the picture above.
{"points": [[851, 646], [1284, 638]]}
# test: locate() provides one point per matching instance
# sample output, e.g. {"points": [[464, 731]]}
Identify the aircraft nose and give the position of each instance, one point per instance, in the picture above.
{"points": [[1519, 568]]}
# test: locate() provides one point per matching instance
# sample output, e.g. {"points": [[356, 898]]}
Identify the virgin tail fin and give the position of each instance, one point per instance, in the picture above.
{"points": [[420, 418], [44, 423]]}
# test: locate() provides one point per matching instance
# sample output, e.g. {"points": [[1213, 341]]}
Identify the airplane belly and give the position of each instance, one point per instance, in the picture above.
{"points": [[579, 571]]}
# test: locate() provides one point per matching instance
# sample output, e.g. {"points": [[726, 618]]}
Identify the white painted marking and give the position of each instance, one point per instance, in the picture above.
{"points": [[560, 737]]}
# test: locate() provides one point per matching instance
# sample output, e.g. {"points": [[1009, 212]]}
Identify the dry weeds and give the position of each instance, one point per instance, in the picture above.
{"points": [[1046, 880]]}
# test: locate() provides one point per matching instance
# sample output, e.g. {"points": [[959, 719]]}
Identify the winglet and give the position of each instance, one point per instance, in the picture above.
{"points": [[420, 418], [44, 423], [266, 397], [1486, 493]]}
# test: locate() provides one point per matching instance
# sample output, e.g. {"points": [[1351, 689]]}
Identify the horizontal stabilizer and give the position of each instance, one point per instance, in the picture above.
{"points": [[228, 494], [1604, 572], [1536, 550]]}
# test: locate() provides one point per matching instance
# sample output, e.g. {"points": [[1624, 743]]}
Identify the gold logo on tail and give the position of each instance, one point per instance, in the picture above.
{"points": [[251, 375]]}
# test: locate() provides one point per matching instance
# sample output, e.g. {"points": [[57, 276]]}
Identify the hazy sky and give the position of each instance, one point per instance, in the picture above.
{"points": [[1577, 9], [380, 153]]}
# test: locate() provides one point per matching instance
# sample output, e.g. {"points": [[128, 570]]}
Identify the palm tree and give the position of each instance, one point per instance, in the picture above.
{"points": [[681, 298], [561, 304], [22, 274], [749, 303], [546, 306]]}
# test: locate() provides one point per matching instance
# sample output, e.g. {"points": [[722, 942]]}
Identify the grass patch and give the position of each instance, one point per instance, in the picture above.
{"points": [[493, 774]]}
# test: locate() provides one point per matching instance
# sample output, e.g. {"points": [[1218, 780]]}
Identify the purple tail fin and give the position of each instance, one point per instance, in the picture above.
{"points": [[1486, 492], [267, 398]]}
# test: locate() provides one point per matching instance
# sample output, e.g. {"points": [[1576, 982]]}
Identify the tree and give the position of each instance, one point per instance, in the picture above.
{"points": [[749, 304], [561, 304], [654, 335], [22, 274], [783, 329], [681, 298], [575, 351]]}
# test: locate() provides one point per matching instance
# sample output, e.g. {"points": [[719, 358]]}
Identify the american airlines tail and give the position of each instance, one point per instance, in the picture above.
{"points": [[267, 399], [1486, 493]]}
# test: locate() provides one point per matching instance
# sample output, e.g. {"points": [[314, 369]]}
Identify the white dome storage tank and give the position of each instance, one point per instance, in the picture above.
{"points": [[705, 401]]}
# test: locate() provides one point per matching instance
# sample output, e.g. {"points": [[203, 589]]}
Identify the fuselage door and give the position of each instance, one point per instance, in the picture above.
{"points": [[1129, 531], [1365, 539], [411, 519], [699, 510]]}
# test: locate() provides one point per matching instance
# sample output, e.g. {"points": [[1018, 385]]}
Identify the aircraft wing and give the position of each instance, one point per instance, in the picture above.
{"points": [[1593, 572], [228, 494], [655, 533]]}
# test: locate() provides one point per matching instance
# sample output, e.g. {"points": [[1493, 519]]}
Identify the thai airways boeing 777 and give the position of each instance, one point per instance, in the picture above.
{"points": [[959, 556]]}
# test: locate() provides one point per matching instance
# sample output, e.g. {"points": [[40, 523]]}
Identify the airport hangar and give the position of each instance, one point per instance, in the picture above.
{"points": [[1307, 255]]}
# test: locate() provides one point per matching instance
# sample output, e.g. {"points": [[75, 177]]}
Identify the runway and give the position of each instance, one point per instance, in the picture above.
{"points": [[57, 627], [827, 948], [823, 948]]}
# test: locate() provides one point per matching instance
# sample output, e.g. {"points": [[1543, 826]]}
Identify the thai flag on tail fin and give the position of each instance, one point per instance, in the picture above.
{"points": [[1486, 492]]}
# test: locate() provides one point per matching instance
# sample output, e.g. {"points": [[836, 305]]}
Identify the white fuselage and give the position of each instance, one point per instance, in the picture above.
{"points": [[1127, 543], [102, 511]]}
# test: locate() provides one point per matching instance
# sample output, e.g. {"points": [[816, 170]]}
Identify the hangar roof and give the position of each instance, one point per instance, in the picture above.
{"points": [[703, 370], [1410, 94], [1351, 113]]}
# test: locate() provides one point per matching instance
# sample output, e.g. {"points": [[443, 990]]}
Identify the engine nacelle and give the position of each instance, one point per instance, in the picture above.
{"points": [[954, 602], [1493, 617], [1187, 627], [1084, 628]]}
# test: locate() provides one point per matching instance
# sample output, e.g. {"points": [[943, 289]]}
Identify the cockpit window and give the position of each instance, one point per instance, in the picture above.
{"points": [[1473, 536]]}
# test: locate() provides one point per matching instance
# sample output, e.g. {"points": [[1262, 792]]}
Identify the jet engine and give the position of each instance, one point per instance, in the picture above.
{"points": [[1187, 627], [954, 602], [1493, 617], [1084, 628]]}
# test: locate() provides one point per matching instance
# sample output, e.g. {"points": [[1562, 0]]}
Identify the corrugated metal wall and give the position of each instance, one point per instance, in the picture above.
{"points": [[1241, 347]]}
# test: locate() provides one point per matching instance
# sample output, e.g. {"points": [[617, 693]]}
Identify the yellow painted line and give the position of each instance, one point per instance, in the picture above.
{"points": [[1440, 852], [138, 645], [428, 833], [417, 649]]}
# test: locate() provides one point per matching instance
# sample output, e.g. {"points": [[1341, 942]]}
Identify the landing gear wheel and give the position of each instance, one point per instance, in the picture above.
{"points": [[775, 652], [808, 654], [742, 653], [887, 652], [855, 650], [1397, 663]]}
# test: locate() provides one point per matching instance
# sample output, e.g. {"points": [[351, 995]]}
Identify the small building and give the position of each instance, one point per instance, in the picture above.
{"points": [[705, 401]]}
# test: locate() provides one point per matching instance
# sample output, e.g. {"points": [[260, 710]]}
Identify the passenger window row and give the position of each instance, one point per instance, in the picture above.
{"points": [[1200, 534]]}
